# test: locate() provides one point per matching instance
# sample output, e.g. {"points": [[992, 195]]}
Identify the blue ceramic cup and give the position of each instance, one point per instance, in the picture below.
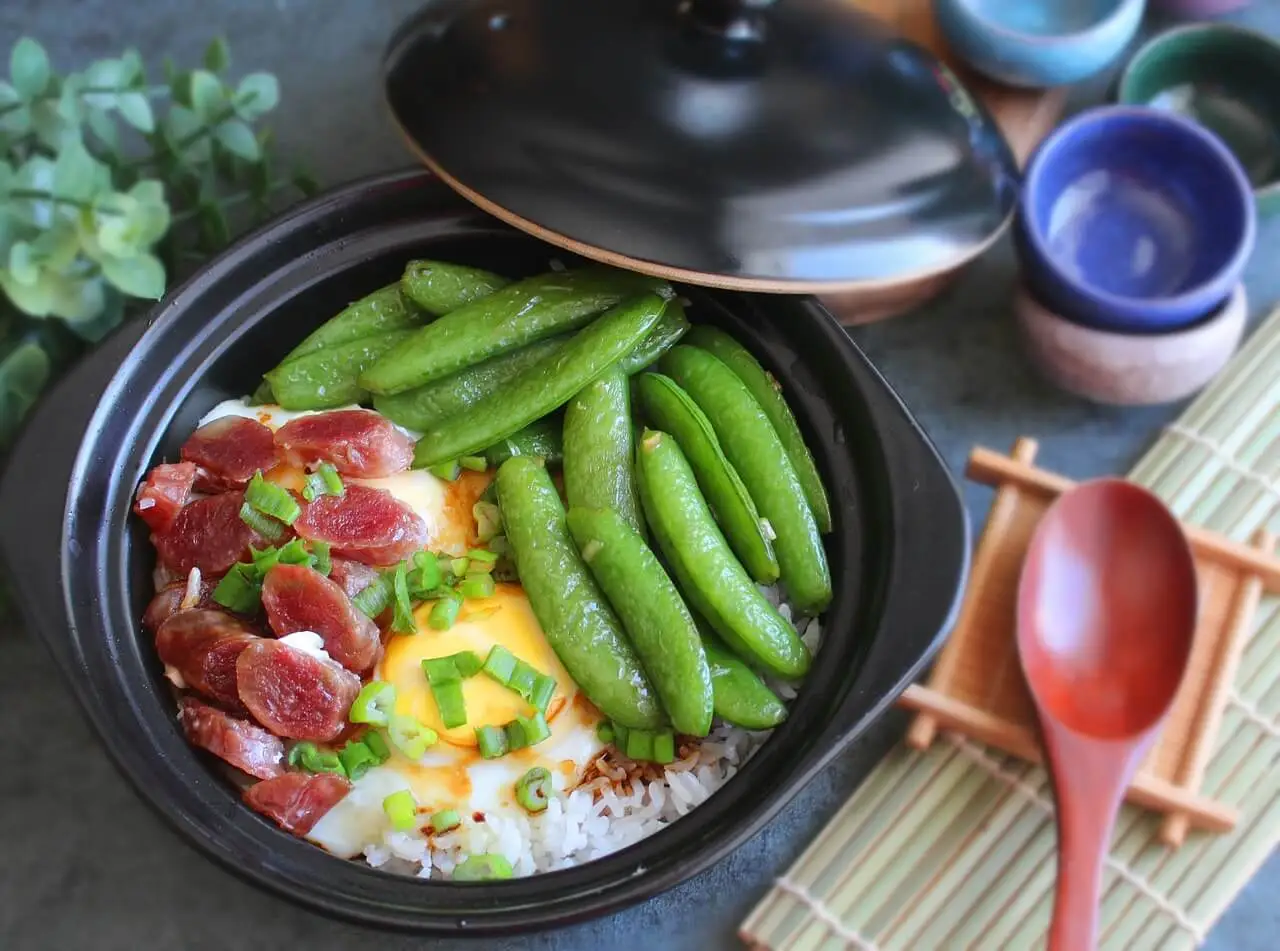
{"points": [[1135, 220]]}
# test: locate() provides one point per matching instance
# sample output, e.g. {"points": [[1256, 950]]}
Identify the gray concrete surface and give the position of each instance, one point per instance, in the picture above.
{"points": [[86, 866]]}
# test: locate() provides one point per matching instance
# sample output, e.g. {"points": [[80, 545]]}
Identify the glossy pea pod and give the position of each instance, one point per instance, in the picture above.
{"points": [[710, 577], [666, 333], [439, 287], [541, 438], [752, 445], [659, 624], [739, 696], [576, 618], [670, 409], [768, 393], [330, 377], [518, 314], [599, 448], [544, 386]]}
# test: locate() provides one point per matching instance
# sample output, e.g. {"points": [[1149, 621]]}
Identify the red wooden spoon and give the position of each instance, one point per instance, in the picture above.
{"points": [[1107, 608]]}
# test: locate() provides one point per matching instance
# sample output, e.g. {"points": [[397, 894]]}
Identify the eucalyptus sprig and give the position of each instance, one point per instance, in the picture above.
{"points": [[110, 185]]}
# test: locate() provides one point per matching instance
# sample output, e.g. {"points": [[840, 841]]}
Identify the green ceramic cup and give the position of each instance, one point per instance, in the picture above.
{"points": [[1227, 79]]}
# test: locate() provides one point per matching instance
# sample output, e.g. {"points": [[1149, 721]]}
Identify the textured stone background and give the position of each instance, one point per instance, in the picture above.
{"points": [[86, 866]]}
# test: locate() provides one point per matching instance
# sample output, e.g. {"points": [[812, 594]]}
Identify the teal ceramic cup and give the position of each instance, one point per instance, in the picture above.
{"points": [[1226, 78]]}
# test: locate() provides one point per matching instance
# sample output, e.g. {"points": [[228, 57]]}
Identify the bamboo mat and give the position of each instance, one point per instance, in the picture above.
{"points": [[954, 848]]}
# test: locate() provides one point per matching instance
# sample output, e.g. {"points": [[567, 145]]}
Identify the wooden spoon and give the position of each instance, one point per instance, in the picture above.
{"points": [[1107, 608]]}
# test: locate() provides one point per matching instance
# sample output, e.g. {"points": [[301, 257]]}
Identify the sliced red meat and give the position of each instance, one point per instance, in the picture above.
{"points": [[166, 490], [168, 601], [352, 576], [246, 746], [298, 598], [229, 451], [293, 693], [297, 801], [368, 525], [356, 442], [208, 534], [203, 645]]}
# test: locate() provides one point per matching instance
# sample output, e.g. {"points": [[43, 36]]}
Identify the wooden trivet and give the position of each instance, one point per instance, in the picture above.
{"points": [[977, 688]]}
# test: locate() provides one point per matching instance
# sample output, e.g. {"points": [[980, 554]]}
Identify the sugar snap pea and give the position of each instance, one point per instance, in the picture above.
{"points": [[599, 448], [713, 580], [540, 438], [753, 446], [330, 377], [439, 287], [739, 695], [537, 390], [518, 314], [425, 407], [655, 616], [768, 393], [665, 334], [386, 309], [577, 620], [671, 410]]}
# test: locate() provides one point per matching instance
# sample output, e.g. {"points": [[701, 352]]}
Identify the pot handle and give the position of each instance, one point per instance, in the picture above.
{"points": [[33, 490]]}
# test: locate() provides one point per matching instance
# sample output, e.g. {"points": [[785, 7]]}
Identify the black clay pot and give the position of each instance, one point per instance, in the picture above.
{"points": [[82, 565]]}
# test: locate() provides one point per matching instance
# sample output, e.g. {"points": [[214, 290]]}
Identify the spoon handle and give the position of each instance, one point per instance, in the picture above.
{"points": [[1084, 833]]}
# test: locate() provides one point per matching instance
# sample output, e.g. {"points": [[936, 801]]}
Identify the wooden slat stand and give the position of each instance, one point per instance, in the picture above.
{"points": [[977, 688]]}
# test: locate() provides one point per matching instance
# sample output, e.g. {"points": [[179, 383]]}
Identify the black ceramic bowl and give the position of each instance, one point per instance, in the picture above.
{"points": [[82, 565]]}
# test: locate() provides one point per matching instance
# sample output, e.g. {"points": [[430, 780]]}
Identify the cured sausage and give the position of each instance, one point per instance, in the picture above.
{"points": [[294, 694], [298, 598], [229, 451], [203, 646], [166, 490], [356, 442], [352, 576], [297, 801], [246, 746], [367, 525], [208, 534], [168, 601]]}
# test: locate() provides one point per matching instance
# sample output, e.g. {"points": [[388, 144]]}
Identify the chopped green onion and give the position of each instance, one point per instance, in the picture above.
{"points": [[488, 519], [459, 566], [239, 590], [482, 556], [500, 664], [514, 732], [356, 758], [522, 679], [377, 744], [441, 670], [533, 789], [263, 561], [445, 611], [375, 597], [332, 481], [272, 500], [268, 528], [446, 820], [526, 731], [450, 702], [467, 662], [639, 745], [426, 573], [301, 752], [664, 747], [294, 552], [410, 737], [492, 741], [401, 809], [324, 564], [373, 703], [402, 621], [315, 760], [445, 470], [620, 734], [604, 732], [477, 585], [482, 867], [474, 463], [544, 688]]}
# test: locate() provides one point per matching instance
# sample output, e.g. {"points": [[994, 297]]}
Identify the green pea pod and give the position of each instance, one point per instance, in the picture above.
{"points": [[768, 393], [710, 577], [575, 617], [386, 309], [540, 438], [739, 695], [751, 443], [660, 626], [543, 387], [671, 410], [599, 448], [330, 377], [428, 406], [665, 335], [518, 314], [439, 287]]}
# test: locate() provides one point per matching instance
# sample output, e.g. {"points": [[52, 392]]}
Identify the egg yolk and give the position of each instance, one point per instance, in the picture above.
{"points": [[505, 618]]}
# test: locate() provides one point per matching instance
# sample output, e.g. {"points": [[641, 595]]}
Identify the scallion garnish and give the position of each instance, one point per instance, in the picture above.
{"points": [[402, 620], [239, 590], [533, 730], [544, 688], [377, 744], [488, 520], [474, 463], [446, 686], [533, 789], [512, 672], [268, 528], [425, 576], [271, 500], [477, 585], [639, 745], [410, 737], [604, 732], [492, 741], [376, 597], [294, 552], [373, 704], [445, 470], [402, 809], [480, 556], [500, 664], [445, 611], [459, 566], [482, 867], [315, 760], [324, 563], [356, 758], [446, 820], [301, 751], [664, 747], [324, 481]]}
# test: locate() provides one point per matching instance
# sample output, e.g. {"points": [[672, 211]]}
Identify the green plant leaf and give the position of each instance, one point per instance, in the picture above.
{"points": [[213, 226], [133, 71], [93, 329], [75, 172], [305, 182], [103, 81], [238, 138], [105, 128], [135, 107], [216, 55], [207, 96], [36, 174], [48, 124], [24, 267], [29, 67], [179, 83], [257, 94], [59, 246], [141, 276], [185, 134], [71, 107]]}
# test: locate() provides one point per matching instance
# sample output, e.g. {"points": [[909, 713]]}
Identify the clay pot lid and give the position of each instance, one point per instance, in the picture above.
{"points": [[785, 147]]}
